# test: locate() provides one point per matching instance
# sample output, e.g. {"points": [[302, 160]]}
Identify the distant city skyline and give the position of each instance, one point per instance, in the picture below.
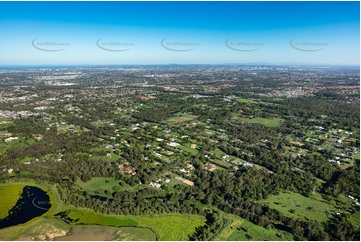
{"points": [[152, 33]]}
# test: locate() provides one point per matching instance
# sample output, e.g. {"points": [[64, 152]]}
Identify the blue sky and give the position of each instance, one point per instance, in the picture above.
{"points": [[76, 33]]}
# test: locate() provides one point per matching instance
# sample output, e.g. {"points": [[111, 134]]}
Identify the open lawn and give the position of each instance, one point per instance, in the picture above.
{"points": [[109, 155], [181, 118], [221, 163], [172, 227], [249, 231], [245, 100], [295, 205], [253, 101], [9, 195], [165, 227], [136, 234], [347, 164], [236, 228], [188, 149], [99, 184], [274, 122]]}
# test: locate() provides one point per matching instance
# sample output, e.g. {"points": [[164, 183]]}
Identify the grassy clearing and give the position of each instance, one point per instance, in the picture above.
{"points": [[228, 230], [188, 149], [172, 227], [86, 216], [221, 163], [245, 100], [181, 118], [295, 205], [10, 194], [253, 101], [136, 234], [249, 231], [165, 227], [239, 229], [346, 165], [274, 122], [99, 184], [109, 155]]}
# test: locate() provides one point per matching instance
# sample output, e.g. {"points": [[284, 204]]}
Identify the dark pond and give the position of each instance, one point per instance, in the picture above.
{"points": [[174, 112], [33, 203], [103, 199]]}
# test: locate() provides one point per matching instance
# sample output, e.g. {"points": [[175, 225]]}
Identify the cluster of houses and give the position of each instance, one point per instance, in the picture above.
{"points": [[15, 114]]}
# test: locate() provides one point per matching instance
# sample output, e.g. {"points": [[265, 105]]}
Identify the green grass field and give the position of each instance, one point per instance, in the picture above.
{"points": [[136, 234], [165, 227], [9, 195], [99, 184], [172, 227], [218, 153], [253, 101], [87, 216], [295, 205], [238, 229], [249, 231], [274, 122], [188, 149], [181, 118], [245, 100], [221, 163], [112, 156]]}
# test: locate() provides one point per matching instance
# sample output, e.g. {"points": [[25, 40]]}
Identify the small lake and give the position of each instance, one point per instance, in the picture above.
{"points": [[33, 203], [89, 234]]}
